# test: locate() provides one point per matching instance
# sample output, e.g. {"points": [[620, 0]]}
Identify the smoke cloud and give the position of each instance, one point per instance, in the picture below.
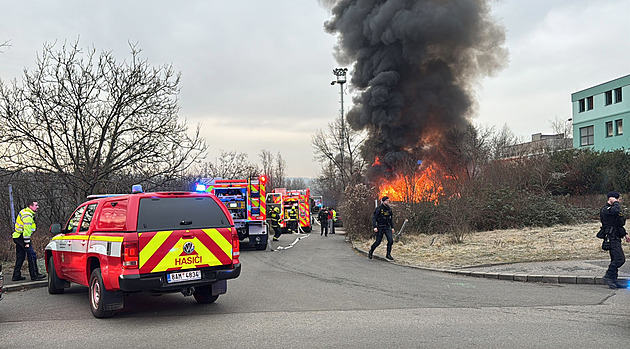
{"points": [[415, 64]]}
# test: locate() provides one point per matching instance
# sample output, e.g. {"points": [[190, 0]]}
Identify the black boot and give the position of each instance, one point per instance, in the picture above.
{"points": [[370, 254], [610, 282], [389, 256]]}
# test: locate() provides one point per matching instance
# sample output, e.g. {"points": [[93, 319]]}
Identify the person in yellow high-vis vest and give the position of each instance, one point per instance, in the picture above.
{"points": [[24, 228]]}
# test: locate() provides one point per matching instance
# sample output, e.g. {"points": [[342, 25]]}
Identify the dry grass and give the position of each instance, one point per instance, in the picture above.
{"points": [[576, 242]]}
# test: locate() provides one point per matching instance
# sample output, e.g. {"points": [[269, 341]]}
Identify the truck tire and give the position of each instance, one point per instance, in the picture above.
{"points": [[203, 295], [98, 295], [53, 279]]}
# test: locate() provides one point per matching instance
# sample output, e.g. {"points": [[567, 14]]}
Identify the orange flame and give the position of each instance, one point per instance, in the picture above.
{"points": [[377, 162], [421, 186]]}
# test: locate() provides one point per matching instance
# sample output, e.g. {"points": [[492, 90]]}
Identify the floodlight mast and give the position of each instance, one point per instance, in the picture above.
{"points": [[340, 73]]}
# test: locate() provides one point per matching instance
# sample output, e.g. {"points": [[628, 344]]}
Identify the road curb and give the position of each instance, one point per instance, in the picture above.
{"points": [[24, 285], [519, 277]]}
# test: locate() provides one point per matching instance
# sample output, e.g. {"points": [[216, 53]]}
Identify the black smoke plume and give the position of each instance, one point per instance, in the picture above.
{"points": [[415, 63]]}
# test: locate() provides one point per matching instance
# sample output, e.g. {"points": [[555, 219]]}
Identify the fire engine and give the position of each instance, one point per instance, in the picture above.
{"points": [[244, 199], [154, 242], [285, 199]]}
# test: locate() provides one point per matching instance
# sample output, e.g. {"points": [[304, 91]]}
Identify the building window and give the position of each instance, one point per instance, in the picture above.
{"points": [[618, 95], [619, 125], [608, 97], [609, 129], [587, 136], [589, 103], [581, 105]]}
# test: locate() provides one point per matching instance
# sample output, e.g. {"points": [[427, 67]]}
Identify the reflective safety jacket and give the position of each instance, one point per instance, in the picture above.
{"points": [[292, 214], [274, 217], [25, 225]]}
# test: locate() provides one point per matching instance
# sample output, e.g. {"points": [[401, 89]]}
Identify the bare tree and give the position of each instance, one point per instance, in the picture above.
{"points": [[562, 126], [89, 120], [274, 167], [329, 146], [4, 44], [502, 142], [328, 184], [295, 183], [232, 165], [465, 151], [279, 172]]}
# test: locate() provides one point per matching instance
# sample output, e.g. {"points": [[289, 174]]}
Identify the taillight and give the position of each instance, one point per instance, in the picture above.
{"points": [[236, 253], [130, 255]]}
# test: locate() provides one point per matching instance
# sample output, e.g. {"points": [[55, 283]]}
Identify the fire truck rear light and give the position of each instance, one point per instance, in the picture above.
{"points": [[130, 255]]}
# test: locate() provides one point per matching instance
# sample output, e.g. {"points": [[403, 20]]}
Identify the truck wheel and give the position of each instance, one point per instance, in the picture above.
{"points": [[98, 294], [203, 295], [53, 279]]}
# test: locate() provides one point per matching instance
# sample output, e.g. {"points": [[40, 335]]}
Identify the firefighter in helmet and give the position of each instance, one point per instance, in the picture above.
{"points": [[292, 222], [274, 218]]}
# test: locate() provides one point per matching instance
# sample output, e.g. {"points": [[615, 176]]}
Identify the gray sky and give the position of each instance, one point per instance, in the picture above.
{"points": [[256, 74]]}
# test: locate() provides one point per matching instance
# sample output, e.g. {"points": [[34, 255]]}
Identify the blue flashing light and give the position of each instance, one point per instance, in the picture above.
{"points": [[136, 188], [200, 187]]}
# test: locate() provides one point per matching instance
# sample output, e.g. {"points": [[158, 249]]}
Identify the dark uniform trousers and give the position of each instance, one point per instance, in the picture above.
{"points": [[617, 258], [277, 230], [324, 224], [387, 231], [21, 253]]}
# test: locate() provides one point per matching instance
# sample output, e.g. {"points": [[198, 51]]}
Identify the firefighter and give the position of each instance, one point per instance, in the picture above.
{"points": [[323, 220], [274, 217], [333, 213], [292, 222], [383, 223], [24, 228]]}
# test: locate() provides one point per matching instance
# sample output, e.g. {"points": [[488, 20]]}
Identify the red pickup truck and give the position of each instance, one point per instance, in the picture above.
{"points": [[153, 242]]}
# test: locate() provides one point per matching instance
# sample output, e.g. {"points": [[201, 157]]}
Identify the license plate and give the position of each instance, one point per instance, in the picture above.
{"points": [[183, 276]]}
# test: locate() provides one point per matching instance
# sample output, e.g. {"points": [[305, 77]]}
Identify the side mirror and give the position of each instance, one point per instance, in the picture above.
{"points": [[55, 228]]}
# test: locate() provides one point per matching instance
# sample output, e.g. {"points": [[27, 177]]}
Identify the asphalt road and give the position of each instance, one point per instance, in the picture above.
{"points": [[321, 294]]}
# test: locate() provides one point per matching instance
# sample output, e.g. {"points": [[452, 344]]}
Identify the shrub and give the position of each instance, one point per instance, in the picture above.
{"points": [[357, 208]]}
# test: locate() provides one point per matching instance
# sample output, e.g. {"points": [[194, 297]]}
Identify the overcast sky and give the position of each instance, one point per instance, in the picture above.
{"points": [[256, 74]]}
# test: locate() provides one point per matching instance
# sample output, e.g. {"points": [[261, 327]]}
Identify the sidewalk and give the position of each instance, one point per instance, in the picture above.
{"points": [[557, 272], [10, 285]]}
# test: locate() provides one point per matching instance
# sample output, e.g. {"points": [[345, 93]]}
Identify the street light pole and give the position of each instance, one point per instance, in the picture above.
{"points": [[340, 73]]}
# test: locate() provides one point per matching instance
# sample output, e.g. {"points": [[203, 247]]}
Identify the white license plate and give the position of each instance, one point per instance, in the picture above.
{"points": [[183, 276]]}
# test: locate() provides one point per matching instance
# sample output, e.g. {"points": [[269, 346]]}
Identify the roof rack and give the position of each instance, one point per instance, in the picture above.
{"points": [[100, 196]]}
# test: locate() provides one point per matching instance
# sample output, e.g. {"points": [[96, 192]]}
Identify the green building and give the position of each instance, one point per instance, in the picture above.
{"points": [[599, 114]]}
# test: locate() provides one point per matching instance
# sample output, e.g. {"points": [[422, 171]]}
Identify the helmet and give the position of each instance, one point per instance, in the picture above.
{"points": [[277, 209]]}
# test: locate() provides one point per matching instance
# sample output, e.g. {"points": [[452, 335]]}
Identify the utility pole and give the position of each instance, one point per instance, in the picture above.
{"points": [[12, 206], [340, 73]]}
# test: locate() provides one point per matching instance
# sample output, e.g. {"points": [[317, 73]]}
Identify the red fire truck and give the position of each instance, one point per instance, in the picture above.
{"points": [[244, 199], [285, 199]]}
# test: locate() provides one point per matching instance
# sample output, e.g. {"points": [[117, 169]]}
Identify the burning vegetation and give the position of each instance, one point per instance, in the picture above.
{"points": [[421, 185]]}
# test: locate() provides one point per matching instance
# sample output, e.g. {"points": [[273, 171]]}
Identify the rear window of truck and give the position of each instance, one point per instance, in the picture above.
{"points": [[180, 213]]}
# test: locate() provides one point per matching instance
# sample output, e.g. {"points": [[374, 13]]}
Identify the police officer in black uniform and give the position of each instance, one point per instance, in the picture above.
{"points": [[383, 223], [613, 220], [323, 220]]}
